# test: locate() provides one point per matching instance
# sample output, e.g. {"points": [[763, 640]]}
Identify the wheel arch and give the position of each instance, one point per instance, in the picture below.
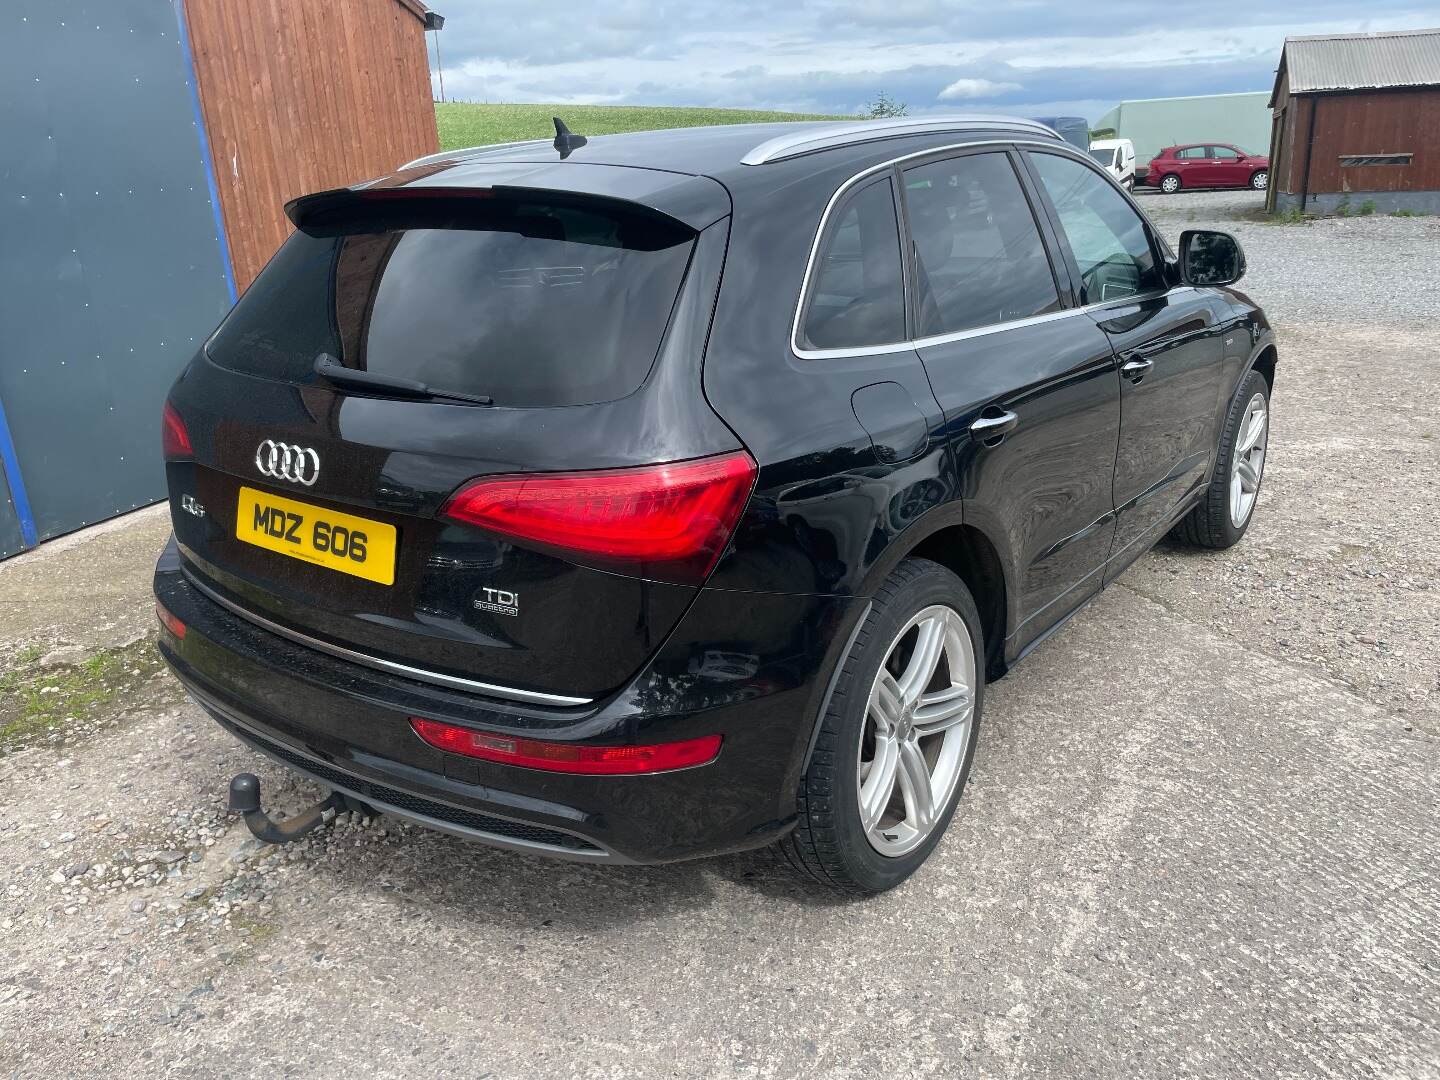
{"points": [[972, 555], [1264, 361], [941, 536]]}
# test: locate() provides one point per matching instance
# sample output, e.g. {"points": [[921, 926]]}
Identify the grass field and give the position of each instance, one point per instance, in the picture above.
{"points": [[475, 125]]}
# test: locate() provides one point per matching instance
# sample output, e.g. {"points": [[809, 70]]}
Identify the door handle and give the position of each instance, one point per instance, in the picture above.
{"points": [[994, 426], [1135, 370]]}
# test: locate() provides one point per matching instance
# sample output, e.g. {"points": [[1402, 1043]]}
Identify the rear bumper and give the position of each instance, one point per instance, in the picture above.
{"points": [[347, 726]]}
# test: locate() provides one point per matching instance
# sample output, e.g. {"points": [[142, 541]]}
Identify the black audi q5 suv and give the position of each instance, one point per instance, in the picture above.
{"points": [[667, 494]]}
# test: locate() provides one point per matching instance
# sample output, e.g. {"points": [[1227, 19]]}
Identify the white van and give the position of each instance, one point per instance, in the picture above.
{"points": [[1117, 155]]}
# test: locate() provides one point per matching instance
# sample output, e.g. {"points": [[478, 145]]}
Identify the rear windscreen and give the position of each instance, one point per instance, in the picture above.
{"points": [[530, 303]]}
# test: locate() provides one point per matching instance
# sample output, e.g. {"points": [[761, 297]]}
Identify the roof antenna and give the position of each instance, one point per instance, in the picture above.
{"points": [[566, 141]]}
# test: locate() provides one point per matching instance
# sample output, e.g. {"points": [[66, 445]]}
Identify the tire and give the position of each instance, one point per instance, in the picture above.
{"points": [[831, 843], [1260, 179], [1170, 183], [1213, 523]]}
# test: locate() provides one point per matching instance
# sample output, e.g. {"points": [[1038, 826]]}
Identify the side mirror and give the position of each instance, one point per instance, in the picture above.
{"points": [[1210, 257]]}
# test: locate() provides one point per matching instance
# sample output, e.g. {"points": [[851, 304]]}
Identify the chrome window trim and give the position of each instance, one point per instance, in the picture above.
{"points": [[827, 136], [1063, 148], [533, 697]]}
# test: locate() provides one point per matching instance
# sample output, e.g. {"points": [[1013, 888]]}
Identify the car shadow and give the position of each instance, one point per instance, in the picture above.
{"points": [[416, 865]]}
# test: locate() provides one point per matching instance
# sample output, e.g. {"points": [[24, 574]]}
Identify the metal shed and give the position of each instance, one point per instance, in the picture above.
{"points": [[1356, 120], [150, 147], [1152, 124]]}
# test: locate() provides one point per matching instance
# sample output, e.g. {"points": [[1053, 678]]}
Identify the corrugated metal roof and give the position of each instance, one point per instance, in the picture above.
{"points": [[1363, 61]]}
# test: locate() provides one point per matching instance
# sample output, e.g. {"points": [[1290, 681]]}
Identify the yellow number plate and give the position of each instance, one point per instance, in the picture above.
{"points": [[336, 541]]}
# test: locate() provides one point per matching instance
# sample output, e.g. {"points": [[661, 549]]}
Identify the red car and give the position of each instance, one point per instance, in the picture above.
{"points": [[1207, 165]]}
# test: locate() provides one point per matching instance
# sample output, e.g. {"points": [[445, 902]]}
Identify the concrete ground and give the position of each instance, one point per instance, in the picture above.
{"points": [[1202, 835]]}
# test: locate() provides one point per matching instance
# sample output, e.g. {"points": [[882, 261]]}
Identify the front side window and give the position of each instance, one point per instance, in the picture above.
{"points": [[1223, 153], [979, 258], [858, 295], [1107, 236]]}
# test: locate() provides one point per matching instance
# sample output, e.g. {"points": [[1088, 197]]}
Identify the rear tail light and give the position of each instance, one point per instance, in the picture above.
{"points": [[567, 757], [175, 439], [170, 621], [669, 522]]}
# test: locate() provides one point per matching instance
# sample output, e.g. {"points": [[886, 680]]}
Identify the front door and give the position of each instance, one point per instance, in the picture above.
{"points": [[1226, 168], [1027, 382], [1167, 340]]}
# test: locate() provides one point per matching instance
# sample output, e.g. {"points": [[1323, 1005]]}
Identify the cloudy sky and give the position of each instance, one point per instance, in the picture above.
{"points": [[834, 55]]}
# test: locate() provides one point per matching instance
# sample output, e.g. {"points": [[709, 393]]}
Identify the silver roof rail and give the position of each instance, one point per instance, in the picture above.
{"points": [[471, 151], [825, 135]]}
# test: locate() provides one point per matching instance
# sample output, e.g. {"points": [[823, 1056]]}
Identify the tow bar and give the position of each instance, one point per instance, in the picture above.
{"points": [[245, 800]]}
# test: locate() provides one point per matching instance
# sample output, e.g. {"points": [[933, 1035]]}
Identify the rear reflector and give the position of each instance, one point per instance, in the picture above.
{"points": [[174, 439], [170, 621], [567, 757], [669, 522]]}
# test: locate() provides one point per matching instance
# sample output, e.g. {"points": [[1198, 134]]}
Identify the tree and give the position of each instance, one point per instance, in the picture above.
{"points": [[884, 105]]}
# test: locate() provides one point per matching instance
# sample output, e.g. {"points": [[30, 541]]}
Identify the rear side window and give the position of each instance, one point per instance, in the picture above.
{"points": [[530, 303], [1106, 234], [978, 253], [1191, 153], [857, 298]]}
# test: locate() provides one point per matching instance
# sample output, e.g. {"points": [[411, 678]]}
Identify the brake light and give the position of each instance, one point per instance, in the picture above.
{"points": [[567, 757], [666, 521], [170, 621], [174, 439]]}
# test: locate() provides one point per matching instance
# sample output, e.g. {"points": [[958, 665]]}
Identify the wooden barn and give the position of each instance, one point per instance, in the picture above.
{"points": [[1356, 123], [301, 97], [151, 146]]}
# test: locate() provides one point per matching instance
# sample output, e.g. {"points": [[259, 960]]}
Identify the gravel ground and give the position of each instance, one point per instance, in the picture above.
{"points": [[1200, 838]]}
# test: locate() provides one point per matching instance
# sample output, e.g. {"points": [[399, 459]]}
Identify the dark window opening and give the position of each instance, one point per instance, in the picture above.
{"points": [[858, 295], [1350, 160]]}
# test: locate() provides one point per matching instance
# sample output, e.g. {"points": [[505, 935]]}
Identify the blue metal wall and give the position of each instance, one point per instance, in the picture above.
{"points": [[112, 268]]}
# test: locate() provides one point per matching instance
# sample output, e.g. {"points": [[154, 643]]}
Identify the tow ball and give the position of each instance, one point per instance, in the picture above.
{"points": [[245, 800]]}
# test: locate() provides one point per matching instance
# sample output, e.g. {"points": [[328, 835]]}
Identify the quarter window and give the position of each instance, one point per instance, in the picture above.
{"points": [[858, 296], [978, 254], [1107, 236]]}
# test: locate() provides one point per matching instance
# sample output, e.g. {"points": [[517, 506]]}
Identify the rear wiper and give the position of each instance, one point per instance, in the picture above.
{"points": [[331, 370]]}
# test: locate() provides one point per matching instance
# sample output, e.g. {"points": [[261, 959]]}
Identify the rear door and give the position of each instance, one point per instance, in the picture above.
{"points": [[1226, 167], [1027, 382], [1193, 166], [1167, 341]]}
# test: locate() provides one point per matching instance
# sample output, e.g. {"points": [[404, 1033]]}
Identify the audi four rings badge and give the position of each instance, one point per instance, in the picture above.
{"points": [[284, 461]]}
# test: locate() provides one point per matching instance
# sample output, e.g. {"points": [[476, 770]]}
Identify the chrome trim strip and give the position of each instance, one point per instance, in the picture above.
{"points": [[959, 335], [254, 742], [825, 136], [533, 697]]}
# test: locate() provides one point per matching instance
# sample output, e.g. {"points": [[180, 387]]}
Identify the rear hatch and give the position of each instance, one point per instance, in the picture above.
{"points": [[414, 439]]}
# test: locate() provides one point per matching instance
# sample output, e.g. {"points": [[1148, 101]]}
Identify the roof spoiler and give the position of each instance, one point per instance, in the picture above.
{"points": [[332, 207]]}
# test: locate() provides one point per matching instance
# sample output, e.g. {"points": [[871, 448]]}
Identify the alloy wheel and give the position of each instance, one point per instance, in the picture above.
{"points": [[916, 733], [1247, 463]]}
